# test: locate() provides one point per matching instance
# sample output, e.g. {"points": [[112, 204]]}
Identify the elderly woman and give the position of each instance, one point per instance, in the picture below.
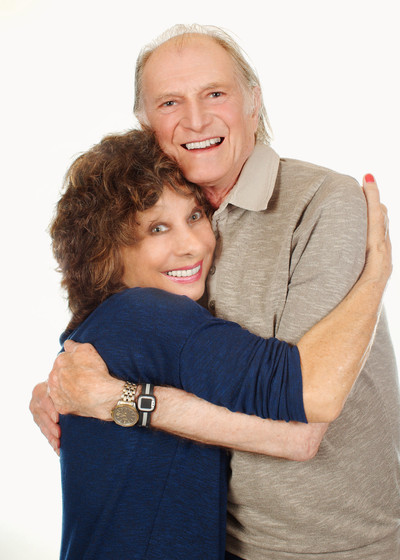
{"points": [[132, 237]]}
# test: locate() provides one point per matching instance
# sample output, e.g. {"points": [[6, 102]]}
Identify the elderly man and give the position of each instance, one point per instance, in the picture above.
{"points": [[288, 250]]}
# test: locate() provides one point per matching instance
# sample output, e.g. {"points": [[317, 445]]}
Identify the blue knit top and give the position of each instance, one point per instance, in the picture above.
{"points": [[135, 493]]}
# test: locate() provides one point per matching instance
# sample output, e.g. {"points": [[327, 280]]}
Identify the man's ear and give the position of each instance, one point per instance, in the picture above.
{"points": [[143, 121], [256, 101], [256, 105]]}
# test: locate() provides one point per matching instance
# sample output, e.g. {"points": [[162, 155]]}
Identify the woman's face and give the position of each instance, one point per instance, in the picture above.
{"points": [[174, 247]]}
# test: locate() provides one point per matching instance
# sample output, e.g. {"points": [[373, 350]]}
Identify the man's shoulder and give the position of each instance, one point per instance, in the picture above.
{"points": [[300, 178], [300, 171]]}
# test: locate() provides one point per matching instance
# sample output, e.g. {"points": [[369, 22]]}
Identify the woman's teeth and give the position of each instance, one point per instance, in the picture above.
{"points": [[184, 273]]}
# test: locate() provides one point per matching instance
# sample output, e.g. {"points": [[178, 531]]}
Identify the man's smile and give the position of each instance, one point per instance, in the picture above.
{"points": [[203, 143]]}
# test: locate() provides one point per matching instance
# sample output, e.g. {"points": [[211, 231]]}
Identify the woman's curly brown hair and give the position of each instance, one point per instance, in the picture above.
{"points": [[104, 189]]}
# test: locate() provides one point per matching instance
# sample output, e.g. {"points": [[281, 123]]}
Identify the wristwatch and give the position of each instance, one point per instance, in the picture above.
{"points": [[146, 403], [125, 412]]}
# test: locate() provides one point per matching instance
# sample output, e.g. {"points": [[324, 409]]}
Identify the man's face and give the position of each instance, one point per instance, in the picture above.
{"points": [[195, 104]]}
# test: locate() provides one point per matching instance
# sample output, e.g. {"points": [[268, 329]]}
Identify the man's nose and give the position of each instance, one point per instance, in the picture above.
{"points": [[196, 117]]}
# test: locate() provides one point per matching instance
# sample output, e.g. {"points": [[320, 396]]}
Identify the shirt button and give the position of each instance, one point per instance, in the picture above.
{"points": [[211, 305], [212, 270]]}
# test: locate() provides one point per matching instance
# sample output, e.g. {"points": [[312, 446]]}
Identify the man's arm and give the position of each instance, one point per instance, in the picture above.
{"points": [[309, 437], [214, 425], [203, 422], [80, 368]]}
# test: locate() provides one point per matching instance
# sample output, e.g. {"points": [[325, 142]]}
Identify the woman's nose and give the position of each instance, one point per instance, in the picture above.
{"points": [[187, 242]]}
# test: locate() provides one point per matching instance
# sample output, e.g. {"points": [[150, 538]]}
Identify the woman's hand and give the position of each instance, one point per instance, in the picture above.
{"points": [[378, 261]]}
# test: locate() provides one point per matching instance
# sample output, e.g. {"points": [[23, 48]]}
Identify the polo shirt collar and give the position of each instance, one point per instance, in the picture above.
{"points": [[256, 182]]}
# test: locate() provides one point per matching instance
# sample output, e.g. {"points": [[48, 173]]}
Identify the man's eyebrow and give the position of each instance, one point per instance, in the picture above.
{"points": [[215, 85], [176, 94], [164, 96]]}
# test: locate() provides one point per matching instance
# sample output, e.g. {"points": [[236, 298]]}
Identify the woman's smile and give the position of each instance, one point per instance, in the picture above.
{"points": [[174, 247], [186, 274]]}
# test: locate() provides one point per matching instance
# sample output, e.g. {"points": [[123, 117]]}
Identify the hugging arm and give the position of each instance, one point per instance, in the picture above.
{"points": [[368, 291], [177, 411]]}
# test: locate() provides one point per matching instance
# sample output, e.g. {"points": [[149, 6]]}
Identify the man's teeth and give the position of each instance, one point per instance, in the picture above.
{"points": [[184, 273], [203, 144]]}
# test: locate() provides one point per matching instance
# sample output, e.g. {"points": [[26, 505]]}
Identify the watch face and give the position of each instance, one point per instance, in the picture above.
{"points": [[146, 403], [125, 415]]}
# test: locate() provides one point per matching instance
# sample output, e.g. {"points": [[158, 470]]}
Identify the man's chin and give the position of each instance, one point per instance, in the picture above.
{"points": [[202, 176]]}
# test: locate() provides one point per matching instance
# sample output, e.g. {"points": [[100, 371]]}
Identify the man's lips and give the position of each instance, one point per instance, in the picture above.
{"points": [[185, 274], [203, 144]]}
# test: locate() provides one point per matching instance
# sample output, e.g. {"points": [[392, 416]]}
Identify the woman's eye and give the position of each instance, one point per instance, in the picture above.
{"points": [[160, 228], [169, 103], [216, 94], [196, 216]]}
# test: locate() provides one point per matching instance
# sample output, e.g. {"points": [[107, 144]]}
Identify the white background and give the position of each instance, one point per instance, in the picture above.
{"points": [[329, 72]]}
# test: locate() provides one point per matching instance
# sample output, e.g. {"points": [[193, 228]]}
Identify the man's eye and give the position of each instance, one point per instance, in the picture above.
{"points": [[196, 216], [216, 94], [160, 228], [168, 103]]}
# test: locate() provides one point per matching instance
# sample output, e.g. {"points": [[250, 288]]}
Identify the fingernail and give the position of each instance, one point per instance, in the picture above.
{"points": [[369, 178]]}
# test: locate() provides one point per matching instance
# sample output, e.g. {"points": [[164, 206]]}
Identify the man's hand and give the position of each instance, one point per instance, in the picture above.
{"points": [[45, 415], [80, 383]]}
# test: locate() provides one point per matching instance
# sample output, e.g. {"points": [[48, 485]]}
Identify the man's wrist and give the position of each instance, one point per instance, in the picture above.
{"points": [[114, 395], [146, 404], [125, 413], [144, 401]]}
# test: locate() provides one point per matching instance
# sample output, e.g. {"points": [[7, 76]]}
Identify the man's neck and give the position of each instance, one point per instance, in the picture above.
{"points": [[216, 196]]}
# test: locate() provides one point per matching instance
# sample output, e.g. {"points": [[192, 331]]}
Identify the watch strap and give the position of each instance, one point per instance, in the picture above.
{"points": [[146, 403]]}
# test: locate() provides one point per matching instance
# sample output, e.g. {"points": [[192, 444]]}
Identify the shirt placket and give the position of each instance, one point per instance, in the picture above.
{"points": [[219, 224]]}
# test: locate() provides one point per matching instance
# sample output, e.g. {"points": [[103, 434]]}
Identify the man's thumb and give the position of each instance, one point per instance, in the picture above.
{"points": [[70, 345]]}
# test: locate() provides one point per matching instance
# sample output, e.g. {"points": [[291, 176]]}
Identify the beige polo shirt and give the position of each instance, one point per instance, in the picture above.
{"points": [[291, 243]]}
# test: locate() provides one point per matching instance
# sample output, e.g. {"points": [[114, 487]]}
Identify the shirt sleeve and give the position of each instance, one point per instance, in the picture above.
{"points": [[148, 335], [228, 366], [223, 363], [328, 255]]}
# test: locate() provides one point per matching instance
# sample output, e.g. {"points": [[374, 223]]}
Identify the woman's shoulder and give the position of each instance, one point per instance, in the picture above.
{"points": [[146, 298], [149, 307]]}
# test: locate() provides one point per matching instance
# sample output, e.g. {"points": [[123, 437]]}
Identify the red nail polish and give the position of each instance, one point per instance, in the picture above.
{"points": [[369, 178]]}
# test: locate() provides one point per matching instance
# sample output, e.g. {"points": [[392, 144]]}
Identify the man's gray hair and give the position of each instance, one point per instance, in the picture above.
{"points": [[247, 75]]}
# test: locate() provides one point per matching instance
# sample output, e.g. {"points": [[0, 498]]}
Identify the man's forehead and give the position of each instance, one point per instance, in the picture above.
{"points": [[187, 40], [178, 47], [188, 53]]}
